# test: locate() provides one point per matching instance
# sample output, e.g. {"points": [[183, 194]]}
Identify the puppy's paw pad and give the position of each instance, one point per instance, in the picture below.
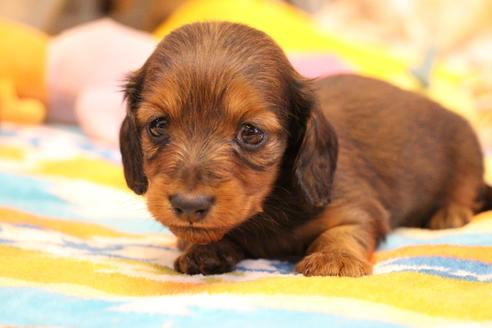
{"points": [[333, 264], [203, 259], [453, 216]]}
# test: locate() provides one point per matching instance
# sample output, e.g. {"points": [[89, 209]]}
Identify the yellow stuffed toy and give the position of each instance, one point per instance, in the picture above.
{"points": [[22, 73]]}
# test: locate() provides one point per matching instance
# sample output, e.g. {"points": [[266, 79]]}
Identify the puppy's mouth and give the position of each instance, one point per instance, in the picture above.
{"points": [[198, 235]]}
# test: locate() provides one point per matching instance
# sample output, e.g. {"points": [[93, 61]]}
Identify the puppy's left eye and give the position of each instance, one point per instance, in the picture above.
{"points": [[157, 128], [250, 137]]}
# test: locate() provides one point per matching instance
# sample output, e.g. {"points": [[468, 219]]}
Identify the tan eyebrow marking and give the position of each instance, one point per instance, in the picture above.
{"points": [[158, 100], [244, 103], [147, 112], [265, 120]]}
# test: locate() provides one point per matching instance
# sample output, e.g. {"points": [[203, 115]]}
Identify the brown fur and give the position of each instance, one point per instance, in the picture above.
{"points": [[345, 159]]}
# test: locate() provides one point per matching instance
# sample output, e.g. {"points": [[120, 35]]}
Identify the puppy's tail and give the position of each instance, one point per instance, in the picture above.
{"points": [[485, 199]]}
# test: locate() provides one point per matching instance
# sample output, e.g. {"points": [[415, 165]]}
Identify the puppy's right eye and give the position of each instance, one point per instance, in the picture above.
{"points": [[157, 128]]}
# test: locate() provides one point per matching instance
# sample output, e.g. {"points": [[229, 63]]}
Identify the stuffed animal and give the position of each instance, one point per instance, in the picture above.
{"points": [[86, 69], [19, 109], [22, 73]]}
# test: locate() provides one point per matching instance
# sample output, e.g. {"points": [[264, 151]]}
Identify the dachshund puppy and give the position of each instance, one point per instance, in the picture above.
{"points": [[243, 158]]}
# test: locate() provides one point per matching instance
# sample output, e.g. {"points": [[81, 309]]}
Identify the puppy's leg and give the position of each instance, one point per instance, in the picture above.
{"points": [[214, 258], [345, 248], [461, 199], [453, 215], [460, 202]]}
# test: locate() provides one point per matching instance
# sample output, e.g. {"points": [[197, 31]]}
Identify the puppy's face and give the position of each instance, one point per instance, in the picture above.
{"points": [[207, 128], [210, 157]]}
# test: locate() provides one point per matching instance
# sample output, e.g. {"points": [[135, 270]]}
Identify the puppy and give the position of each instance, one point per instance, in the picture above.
{"points": [[243, 158]]}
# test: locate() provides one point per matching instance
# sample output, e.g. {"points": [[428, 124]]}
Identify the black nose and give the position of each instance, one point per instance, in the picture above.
{"points": [[191, 207]]}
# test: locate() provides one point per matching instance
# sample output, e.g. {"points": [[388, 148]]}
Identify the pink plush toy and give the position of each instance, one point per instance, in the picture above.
{"points": [[87, 67], [317, 64], [86, 70]]}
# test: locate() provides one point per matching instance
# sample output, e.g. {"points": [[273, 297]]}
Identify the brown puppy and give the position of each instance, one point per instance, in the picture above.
{"points": [[242, 158]]}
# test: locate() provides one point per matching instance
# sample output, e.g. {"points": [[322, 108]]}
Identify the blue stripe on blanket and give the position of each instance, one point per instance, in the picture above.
{"points": [[30, 194], [448, 267], [461, 238], [44, 308]]}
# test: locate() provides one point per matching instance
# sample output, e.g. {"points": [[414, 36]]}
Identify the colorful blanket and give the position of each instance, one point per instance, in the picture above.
{"points": [[78, 249]]}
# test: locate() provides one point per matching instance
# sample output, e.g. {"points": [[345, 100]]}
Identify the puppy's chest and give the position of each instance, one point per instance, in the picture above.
{"points": [[270, 241]]}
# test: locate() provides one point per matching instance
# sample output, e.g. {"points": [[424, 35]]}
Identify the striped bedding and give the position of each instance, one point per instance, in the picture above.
{"points": [[77, 249]]}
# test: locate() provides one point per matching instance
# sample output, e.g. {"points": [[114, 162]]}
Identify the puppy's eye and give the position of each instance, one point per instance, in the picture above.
{"points": [[250, 137], [157, 128]]}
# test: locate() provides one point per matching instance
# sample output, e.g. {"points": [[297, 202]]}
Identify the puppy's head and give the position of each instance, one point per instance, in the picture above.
{"points": [[214, 116]]}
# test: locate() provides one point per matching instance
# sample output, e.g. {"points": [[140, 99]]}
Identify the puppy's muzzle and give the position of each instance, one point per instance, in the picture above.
{"points": [[191, 208]]}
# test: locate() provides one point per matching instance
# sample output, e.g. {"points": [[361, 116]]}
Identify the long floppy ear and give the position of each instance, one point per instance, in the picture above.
{"points": [[317, 152], [130, 147]]}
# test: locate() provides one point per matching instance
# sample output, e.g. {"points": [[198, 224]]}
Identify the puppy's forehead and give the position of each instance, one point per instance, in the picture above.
{"points": [[215, 98], [214, 71]]}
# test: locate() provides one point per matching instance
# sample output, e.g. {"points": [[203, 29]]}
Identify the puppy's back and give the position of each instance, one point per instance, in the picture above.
{"points": [[405, 148]]}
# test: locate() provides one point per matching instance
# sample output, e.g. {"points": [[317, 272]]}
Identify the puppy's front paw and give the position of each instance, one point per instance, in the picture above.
{"points": [[333, 264], [205, 259]]}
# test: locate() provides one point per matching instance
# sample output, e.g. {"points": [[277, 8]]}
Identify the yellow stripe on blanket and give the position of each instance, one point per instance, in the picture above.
{"points": [[482, 254], [427, 294], [93, 170], [422, 293], [12, 153], [73, 228], [43, 268]]}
